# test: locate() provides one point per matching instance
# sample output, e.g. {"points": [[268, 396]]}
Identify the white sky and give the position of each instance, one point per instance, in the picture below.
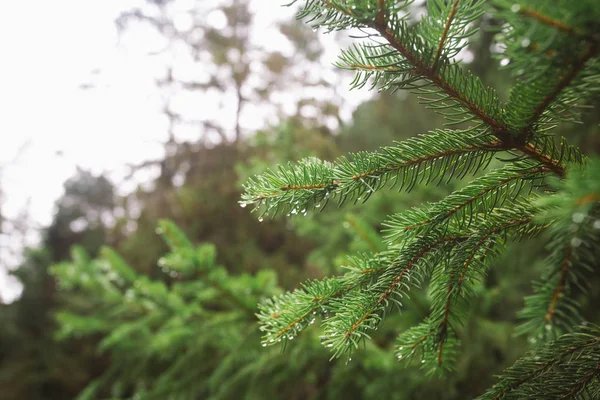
{"points": [[48, 50]]}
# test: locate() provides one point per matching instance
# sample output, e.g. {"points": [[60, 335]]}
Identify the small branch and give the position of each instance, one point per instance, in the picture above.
{"points": [[380, 19], [496, 145], [425, 71], [418, 342], [398, 279], [249, 311], [559, 288], [546, 20], [560, 86], [458, 207], [554, 165], [444, 324], [582, 382], [363, 235], [289, 187], [440, 47], [421, 69], [296, 321], [319, 301], [545, 367]]}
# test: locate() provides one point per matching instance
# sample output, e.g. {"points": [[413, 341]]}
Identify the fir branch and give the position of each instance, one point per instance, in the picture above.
{"points": [[547, 20], [283, 317], [444, 36], [557, 355], [538, 155], [563, 83], [559, 287], [487, 192], [390, 289], [358, 311], [312, 183], [424, 69], [572, 245], [468, 265]]}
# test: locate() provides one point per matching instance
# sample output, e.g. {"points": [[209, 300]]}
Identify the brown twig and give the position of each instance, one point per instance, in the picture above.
{"points": [[559, 288], [440, 47]]}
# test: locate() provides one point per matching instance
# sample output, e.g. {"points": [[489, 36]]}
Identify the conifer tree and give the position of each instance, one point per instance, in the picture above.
{"points": [[545, 187]]}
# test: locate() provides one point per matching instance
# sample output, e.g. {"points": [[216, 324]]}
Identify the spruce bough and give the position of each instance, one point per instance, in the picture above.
{"points": [[546, 187]]}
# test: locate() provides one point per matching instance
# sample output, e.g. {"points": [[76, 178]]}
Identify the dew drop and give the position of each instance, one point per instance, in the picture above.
{"points": [[515, 8], [243, 205], [399, 356], [303, 211], [264, 345], [401, 347], [422, 361], [260, 219], [317, 205], [504, 62], [330, 345], [525, 42]]}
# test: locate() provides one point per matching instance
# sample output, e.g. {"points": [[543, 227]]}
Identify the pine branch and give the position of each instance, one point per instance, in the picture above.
{"points": [[312, 183], [547, 20], [559, 287], [452, 286], [573, 244], [406, 68], [564, 82], [552, 371], [444, 36], [285, 316], [484, 104], [465, 206], [358, 311]]}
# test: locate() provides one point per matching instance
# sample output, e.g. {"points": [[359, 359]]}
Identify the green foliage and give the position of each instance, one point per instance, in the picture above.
{"points": [[451, 245], [548, 372], [312, 183], [573, 253], [163, 319]]}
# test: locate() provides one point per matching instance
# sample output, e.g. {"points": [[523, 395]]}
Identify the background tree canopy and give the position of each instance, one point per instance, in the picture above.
{"points": [[155, 293]]}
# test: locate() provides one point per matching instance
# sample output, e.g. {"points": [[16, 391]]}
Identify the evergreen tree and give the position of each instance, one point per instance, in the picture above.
{"points": [[32, 364], [545, 187]]}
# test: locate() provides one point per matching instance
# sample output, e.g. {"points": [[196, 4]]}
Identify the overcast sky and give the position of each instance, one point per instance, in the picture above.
{"points": [[49, 124]]}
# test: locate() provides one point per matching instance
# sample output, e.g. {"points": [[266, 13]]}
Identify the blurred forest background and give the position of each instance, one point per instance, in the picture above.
{"points": [[138, 320]]}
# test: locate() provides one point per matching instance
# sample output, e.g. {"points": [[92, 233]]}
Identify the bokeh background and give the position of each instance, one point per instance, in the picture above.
{"points": [[120, 113]]}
